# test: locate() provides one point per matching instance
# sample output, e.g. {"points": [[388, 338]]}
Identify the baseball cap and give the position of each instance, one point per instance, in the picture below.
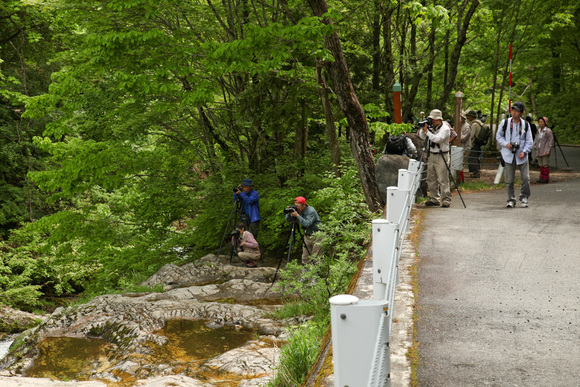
{"points": [[300, 200], [518, 106]]}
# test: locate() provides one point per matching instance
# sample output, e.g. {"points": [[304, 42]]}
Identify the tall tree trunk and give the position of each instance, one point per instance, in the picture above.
{"points": [[329, 115], [353, 111], [532, 98], [377, 46], [446, 56], [556, 68], [463, 26], [301, 142], [388, 60], [498, 50], [431, 62]]}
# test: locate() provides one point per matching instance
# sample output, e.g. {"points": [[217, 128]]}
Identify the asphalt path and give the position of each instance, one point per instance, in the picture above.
{"points": [[499, 292]]}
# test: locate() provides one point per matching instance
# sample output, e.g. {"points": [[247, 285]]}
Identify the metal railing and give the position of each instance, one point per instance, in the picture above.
{"points": [[361, 329]]}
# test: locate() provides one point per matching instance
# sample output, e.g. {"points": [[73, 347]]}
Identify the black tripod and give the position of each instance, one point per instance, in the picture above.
{"points": [[235, 210], [559, 147], [236, 244], [449, 171], [289, 244]]}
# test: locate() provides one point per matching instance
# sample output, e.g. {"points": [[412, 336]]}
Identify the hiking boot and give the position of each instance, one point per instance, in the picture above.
{"points": [[511, 204], [431, 204], [445, 205], [524, 202], [251, 264]]}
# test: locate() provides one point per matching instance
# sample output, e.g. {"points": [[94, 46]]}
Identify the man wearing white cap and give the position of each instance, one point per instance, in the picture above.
{"points": [[437, 172]]}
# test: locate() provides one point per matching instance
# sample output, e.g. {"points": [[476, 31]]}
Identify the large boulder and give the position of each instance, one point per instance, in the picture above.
{"points": [[387, 171], [15, 321]]}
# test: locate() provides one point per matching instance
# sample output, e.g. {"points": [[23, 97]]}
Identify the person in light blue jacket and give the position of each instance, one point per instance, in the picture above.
{"points": [[250, 211], [514, 135]]}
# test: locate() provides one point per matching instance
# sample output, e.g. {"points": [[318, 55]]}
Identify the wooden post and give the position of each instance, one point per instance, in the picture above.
{"points": [[398, 108], [457, 124]]}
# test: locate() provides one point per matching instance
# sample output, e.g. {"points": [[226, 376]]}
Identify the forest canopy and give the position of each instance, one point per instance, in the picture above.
{"points": [[125, 124]]}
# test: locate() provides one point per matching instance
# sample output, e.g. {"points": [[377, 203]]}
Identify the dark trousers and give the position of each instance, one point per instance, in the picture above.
{"points": [[473, 162], [254, 228]]}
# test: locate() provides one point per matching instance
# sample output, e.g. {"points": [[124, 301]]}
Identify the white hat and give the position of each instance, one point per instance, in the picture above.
{"points": [[435, 114]]}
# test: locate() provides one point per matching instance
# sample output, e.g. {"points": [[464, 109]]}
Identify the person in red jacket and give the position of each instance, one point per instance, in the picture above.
{"points": [[543, 143]]}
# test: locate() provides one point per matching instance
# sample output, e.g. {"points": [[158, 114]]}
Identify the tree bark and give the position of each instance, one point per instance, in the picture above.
{"points": [[353, 111], [329, 116]]}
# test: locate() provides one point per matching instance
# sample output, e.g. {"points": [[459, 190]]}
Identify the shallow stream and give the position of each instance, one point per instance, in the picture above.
{"points": [[190, 343]]}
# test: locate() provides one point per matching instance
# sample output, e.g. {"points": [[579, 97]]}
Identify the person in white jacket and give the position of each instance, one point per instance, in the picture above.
{"points": [[437, 172]]}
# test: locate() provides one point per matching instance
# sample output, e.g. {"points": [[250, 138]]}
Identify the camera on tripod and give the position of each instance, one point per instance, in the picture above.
{"points": [[515, 147], [290, 209], [236, 233], [238, 188]]}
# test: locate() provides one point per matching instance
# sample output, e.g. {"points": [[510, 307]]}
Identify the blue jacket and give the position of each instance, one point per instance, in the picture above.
{"points": [[251, 204]]}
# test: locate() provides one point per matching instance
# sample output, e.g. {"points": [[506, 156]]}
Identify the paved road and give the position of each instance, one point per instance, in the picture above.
{"points": [[499, 289]]}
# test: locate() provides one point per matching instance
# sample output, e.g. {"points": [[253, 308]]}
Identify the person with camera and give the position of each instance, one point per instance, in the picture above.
{"points": [[246, 245], [309, 220], [250, 211], [437, 132], [515, 138], [543, 144]]}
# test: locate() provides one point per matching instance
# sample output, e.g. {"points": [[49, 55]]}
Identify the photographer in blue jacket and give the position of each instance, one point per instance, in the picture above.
{"points": [[250, 211]]}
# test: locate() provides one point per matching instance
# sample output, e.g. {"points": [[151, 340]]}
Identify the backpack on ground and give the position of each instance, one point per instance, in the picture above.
{"points": [[396, 145], [484, 134]]}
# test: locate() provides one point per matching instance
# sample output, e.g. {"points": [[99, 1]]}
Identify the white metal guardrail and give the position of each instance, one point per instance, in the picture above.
{"points": [[361, 329]]}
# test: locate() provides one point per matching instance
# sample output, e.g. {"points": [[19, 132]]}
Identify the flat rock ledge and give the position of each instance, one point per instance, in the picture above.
{"points": [[14, 321], [128, 323]]}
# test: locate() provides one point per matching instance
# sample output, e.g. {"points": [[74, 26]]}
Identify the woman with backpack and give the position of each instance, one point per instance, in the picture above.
{"points": [[543, 143]]}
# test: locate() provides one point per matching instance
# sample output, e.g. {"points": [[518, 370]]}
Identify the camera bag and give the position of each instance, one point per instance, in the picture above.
{"points": [[396, 145]]}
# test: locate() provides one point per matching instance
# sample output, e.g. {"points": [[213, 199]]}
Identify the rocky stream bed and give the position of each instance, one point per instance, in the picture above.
{"points": [[211, 326]]}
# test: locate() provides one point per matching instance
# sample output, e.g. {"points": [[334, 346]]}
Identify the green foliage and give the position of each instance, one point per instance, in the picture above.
{"points": [[345, 227], [299, 354]]}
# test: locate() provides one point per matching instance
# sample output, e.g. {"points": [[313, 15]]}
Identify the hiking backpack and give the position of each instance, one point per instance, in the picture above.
{"points": [[484, 134], [396, 145]]}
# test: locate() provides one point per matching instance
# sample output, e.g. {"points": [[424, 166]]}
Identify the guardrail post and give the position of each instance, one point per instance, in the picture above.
{"points": [[356, 325], [384, 245], [414, 165], [396, 203], [405, 180]]}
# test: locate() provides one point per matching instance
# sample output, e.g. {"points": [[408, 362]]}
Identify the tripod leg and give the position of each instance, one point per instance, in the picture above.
{"points": [[227, 228], [289, 246], [451, 176], [562, 152]]}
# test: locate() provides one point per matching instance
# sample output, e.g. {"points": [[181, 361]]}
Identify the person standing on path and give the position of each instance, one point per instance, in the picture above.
{"points": [[437, 165], [515, 138], [543, 144]]}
